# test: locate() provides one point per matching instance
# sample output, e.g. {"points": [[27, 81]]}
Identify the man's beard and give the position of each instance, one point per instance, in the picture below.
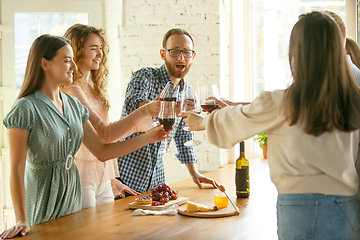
{"points": [[174, 73]]}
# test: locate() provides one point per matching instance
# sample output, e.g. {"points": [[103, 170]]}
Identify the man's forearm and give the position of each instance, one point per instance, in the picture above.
{"points": [[191, 168]]}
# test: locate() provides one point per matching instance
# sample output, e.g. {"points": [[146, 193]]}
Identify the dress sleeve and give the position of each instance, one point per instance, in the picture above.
{"points": [[230, 125], [136, 121], [22, 115]]}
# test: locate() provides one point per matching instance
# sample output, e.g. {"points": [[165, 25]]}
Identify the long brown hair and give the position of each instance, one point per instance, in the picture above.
{"points": [[78, 34], [45, 46], [353, 49], [323, 95], [339, 22]]}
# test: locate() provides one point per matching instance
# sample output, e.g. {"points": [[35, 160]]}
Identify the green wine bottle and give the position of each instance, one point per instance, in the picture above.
{"points": [[242, 179]]}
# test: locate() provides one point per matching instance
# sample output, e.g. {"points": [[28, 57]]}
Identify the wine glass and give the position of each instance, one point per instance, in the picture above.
{"points": [[208, 93], [167, 118], [190, 103], [169, 93]]}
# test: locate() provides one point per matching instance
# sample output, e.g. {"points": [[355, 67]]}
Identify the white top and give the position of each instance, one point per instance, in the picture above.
{"points": [[354, 69], [91, 170], [299, 163]]}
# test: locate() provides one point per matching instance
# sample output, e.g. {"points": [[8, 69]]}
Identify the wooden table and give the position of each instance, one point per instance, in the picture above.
{"points": [[257, 218]]}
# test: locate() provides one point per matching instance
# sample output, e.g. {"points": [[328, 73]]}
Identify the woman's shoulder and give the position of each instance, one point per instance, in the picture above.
{"points": [[26, 102], [75, 104], [72, 87], [70, 99], [274, 97], [22, 114]]}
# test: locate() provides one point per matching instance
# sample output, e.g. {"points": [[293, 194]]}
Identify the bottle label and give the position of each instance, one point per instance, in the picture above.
{"points": [[242, 180]]}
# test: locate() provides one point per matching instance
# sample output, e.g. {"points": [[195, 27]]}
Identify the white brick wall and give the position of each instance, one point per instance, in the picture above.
{"points": [[141, 25]]}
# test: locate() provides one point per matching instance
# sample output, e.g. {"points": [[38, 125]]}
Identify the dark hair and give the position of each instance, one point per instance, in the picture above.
{"points": [[323, 95], [78, 34], [176, 31], [45, 46]]}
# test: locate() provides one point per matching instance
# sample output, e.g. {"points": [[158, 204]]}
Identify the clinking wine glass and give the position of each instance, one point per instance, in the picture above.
{"points": [[169, 93], [208, 93], [167, 118], [190, 103]]}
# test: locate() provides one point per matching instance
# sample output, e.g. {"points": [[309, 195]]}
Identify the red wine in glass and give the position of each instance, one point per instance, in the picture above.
{"points": [[167, 117], [169, 99], [209, 107], [167, 122], [208, 95], [170, 92]]}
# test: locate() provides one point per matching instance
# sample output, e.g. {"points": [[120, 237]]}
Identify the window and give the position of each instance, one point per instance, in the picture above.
{"points": [[271, 25], [22, 21], [268, 25], [358, 18], [28, 26]]}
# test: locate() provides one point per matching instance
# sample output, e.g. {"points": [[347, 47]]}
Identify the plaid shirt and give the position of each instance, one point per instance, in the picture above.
{"points": [[143, 169]]}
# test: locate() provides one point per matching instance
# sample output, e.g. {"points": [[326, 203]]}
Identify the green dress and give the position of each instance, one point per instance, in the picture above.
{"points": [[52, 190]]}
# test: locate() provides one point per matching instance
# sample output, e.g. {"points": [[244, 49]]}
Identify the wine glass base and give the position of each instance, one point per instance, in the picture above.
{"points": [[192, 143]]}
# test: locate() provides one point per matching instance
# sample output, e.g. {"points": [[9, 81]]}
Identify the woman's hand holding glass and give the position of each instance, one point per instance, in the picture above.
{"points": [[156, 134], [168, 94], [208, 96], [193, 121], [154, 107]]}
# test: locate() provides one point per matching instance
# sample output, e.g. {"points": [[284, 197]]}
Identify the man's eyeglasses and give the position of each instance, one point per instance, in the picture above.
{"points": [[176, 52]]}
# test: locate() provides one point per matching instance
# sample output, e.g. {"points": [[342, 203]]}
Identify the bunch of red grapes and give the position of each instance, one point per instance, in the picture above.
{"points": [[162, 194]]}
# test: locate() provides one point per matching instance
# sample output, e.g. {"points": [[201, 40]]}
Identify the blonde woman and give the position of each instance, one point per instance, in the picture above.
{"points": [[98, 179]]}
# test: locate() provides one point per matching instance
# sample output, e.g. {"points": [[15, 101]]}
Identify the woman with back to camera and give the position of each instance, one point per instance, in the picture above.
{"points": [[313, 135], [46, 128], [98, 181]]}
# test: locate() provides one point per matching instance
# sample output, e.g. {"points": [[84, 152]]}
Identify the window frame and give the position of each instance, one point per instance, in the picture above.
{"points": [[241, 72], [7, 65]]}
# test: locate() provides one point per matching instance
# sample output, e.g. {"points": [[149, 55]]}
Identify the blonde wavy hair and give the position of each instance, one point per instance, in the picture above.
{"points": [[78, 34]]}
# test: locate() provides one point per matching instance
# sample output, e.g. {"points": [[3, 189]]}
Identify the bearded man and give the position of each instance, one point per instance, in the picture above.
{"points": [[143, 169]]}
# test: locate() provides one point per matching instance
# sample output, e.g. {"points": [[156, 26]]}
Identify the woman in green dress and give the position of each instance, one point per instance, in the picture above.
{"points": [[46, 128]]}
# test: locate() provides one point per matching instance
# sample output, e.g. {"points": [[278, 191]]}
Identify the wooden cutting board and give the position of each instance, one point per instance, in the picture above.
{"points": [[179, 201], [222, 212]]}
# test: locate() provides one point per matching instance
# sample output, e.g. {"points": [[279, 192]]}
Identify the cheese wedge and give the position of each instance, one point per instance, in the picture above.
{"points": [[197, 207]]}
